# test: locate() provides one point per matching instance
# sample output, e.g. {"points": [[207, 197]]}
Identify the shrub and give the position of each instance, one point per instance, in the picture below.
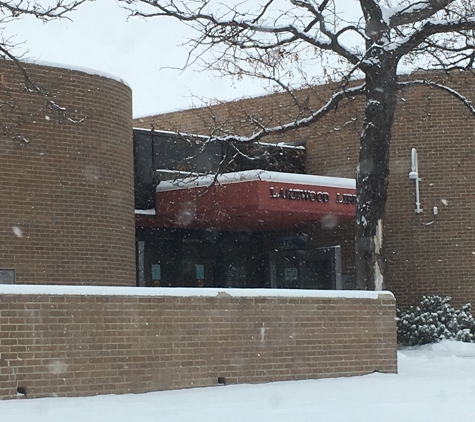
{"points": [[433, 320]]}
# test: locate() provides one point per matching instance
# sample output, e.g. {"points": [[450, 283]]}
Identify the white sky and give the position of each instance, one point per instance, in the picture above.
{"points": [[137, 51], [147, 54]]}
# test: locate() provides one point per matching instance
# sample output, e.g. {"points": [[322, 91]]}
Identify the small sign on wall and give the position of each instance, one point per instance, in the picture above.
{"points": [[290, 274], [156, 275], [156, 272], [288, 243], [7, 276], [200, 271]]}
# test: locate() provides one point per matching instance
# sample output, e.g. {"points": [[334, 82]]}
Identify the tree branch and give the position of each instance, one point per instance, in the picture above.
{"points": [[375, 25], [417, 12], [432, 28], [451, 91], [331, 104], [38, 10], [242, 30], [33, 87]]}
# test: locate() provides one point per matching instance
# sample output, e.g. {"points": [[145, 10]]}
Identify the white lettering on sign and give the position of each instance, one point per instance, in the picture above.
{"points": [[300, 195], [346, 198], [311, 195]]}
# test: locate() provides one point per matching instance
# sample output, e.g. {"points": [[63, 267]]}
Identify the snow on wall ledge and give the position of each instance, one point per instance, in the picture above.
{"points": [[19, 289], [82, 69], [78, 341]]}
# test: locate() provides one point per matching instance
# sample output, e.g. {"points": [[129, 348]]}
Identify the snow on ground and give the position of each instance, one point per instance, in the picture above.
{"points": [[435, 383]]}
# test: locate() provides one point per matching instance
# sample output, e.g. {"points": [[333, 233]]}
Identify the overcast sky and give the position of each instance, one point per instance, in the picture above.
{"points": [[100, 37]]}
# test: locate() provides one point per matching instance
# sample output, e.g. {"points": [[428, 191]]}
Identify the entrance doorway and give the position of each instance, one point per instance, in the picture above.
{"points": [[318, 269]]}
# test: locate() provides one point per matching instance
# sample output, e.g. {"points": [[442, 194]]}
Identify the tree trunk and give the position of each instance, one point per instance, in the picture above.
{"points": [[372, 175]]}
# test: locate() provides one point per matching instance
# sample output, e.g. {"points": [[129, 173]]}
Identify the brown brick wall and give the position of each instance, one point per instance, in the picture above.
{"points": [[439, 258], [70, 344], [70, 187], [421, 260]]}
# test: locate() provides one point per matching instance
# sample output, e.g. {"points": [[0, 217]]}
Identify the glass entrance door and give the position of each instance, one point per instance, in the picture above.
{"points": [[319, 269]]}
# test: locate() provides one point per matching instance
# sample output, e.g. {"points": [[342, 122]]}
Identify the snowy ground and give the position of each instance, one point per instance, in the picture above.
{"points": [[435, 383]]}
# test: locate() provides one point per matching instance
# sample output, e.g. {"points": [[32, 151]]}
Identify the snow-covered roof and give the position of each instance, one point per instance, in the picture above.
{"points": [[27, 289], [145, 212], [169, 132], [257, 175], [204, 137], [79, 69]]}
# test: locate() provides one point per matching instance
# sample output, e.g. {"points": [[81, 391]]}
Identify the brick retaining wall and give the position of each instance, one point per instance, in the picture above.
{"points": [[75, 341]]}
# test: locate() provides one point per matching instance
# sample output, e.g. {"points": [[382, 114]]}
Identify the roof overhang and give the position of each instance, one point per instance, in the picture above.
{"points": [[252, 200]]}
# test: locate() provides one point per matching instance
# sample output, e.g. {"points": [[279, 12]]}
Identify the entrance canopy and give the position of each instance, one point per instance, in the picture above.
{"points": [[253, 200]]}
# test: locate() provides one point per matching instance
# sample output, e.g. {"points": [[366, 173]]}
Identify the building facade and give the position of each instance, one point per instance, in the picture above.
{"points": [[67, 198], [208, 217], [428, 253], [67, 217]]}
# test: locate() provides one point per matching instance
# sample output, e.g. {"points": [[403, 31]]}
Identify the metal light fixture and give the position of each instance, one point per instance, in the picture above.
{"points": [[414, 175]]}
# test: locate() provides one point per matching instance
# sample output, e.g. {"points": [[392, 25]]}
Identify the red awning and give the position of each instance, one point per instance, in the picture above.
{"points": [[252, 201]]}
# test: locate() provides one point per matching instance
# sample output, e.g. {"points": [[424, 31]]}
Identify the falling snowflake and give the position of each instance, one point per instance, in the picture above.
{"points": [[17, 231]]}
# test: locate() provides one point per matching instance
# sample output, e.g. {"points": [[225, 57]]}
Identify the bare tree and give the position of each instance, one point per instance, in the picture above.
{"points": [[47, 10], [270, 39]]}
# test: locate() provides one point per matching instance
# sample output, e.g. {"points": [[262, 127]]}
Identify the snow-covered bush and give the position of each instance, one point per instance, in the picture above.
{"points": [[433, 320]]}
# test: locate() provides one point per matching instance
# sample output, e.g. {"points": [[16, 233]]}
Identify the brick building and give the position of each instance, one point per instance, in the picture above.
{"points": [[67, 201], [68, 192], [426, 253]]}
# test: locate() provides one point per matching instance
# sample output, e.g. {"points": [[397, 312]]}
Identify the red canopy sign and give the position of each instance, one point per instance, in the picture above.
{"points": [[253, 200]]}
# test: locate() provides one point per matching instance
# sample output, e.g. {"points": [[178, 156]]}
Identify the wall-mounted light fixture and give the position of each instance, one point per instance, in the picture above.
{"points": [[414, 175]]}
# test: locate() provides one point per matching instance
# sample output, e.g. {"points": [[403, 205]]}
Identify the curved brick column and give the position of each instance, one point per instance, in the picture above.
{"points": [[67, 194]]}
